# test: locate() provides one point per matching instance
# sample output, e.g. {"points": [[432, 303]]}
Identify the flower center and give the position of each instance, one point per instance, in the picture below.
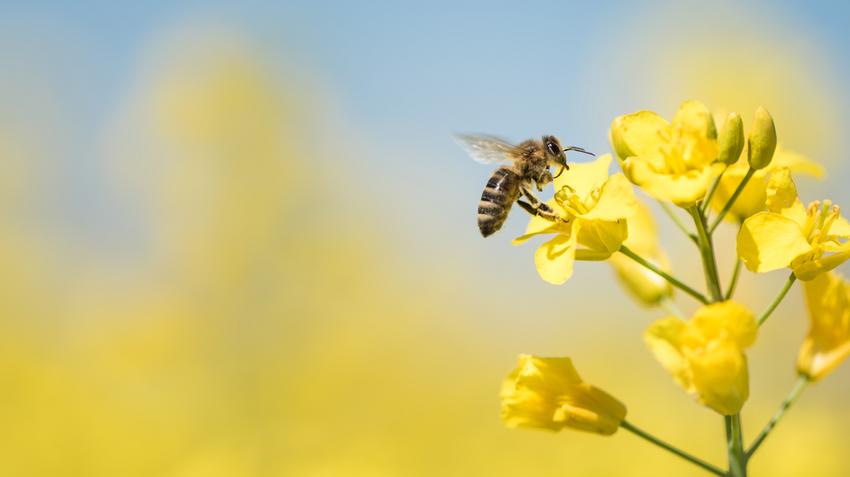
{"points": [[819, 219], [573, 203]]}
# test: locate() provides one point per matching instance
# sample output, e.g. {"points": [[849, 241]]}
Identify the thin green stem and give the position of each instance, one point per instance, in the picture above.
{"points": [[676, 220], [690, 458], [706, 203], [732, 200], [707, 252], [734, 281], [735, 446], [673, 281], [776, 301], [792, 396]]}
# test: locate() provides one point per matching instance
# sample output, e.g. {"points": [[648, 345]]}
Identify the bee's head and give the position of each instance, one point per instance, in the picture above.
{"points": [[556, 155], [554, 152]]}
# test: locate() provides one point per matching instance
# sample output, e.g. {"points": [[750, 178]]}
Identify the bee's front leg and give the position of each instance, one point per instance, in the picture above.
{"points": [[543, 180]]}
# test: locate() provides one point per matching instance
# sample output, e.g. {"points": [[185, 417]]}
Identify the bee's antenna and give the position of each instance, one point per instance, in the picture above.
{"points": [[579, 149]]}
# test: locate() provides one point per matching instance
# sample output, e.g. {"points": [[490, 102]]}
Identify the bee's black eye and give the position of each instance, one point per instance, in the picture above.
{"points": [[552, 149]]}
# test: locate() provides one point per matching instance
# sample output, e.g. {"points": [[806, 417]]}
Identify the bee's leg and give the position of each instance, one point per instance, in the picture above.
{"points": [[535, 207]]}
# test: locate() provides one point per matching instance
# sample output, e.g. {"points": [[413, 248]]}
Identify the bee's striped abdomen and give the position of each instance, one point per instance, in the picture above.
{"points": [[499, 195]]}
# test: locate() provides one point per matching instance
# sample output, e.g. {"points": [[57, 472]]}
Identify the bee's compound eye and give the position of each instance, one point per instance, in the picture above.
{"points": [[552, 148]]}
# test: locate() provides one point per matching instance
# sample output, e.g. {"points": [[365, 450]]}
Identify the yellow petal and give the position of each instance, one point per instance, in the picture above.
{"points": [[683, 189], [694, 116], [769, 241], [781, 191], [797, 163], [637, 134], [616, 201], [554, 259], [828, 341], [583, 177], [840, 228], [665, 339], [727, 320], [720, 377], [603, 237]]}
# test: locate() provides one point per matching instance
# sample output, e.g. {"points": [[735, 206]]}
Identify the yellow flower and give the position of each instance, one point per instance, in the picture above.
{"points": [[828, 341], [752, 198], [594, 208], [705, 355], [806, 239], [670, 161], [645, 286], [547, 393]]}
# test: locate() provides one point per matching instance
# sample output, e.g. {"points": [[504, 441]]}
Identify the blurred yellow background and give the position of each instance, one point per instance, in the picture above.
{"points": [[239, 240]]}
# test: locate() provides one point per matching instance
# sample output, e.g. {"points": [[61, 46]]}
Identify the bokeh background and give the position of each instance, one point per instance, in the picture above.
{"points": [[239, 240]]}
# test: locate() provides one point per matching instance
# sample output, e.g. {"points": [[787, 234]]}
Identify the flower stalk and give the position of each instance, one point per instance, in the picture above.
{"points": [[669, 447], [789, 401], [673, 280], [776, 301], [735, 446], [732, 199]]}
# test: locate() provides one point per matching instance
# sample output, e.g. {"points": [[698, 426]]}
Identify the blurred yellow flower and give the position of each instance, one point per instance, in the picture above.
{"points": [[806, 239], [646, 286], [672, 161], [828, 341], [752, 198], [547, 393], [705, 355], [594, 208]]}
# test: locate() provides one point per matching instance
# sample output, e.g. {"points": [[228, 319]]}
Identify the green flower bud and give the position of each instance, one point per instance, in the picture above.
{"points": [[762, 142], [731, 140]]}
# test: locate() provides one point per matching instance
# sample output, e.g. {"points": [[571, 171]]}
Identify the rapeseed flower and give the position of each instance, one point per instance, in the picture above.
{"points": [[547, 393], [705, 355], [671, 161], [593, 207], [828, 341], [808, 240]]}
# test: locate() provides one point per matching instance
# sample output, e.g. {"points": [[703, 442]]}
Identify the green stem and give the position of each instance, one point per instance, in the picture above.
{"points": [[707, 252], [649, 437], [734, 282], [673, 281], [706, 203], [676, 220], [735, 446], [776, 301], [732, 200], [798, 388]]}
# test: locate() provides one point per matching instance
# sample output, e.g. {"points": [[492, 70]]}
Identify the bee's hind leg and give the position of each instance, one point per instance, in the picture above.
{"points": [[541, 209]]}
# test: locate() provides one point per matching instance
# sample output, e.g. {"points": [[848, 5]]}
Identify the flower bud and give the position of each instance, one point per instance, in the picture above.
{"points": [[547, 393], [731, 140], [762, 141]]}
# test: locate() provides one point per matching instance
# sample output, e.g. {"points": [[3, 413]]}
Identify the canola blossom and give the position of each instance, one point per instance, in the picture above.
{"points": [[547, 393], [828, 341], [672, 161], [594, 207], [705, 355], [746, 180], [808, 240]]}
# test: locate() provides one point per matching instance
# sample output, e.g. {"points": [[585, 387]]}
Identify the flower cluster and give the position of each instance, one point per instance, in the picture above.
{"points": [[716, 177]]}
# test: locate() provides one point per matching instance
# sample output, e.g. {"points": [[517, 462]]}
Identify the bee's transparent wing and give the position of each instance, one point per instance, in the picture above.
{"points": [[486, 149]]}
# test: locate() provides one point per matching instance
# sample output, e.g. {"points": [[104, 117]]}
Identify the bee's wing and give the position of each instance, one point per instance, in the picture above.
{"points": [[486, 149]]}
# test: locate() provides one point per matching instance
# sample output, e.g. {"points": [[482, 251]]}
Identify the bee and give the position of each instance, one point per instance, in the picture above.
{"points": [[530, 162]]}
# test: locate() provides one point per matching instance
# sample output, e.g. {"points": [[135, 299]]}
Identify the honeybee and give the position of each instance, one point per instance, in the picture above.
{"points": [[530, 160]]}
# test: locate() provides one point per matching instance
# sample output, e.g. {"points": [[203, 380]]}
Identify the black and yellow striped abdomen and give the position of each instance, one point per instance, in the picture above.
{"points": [[499, 195]]}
